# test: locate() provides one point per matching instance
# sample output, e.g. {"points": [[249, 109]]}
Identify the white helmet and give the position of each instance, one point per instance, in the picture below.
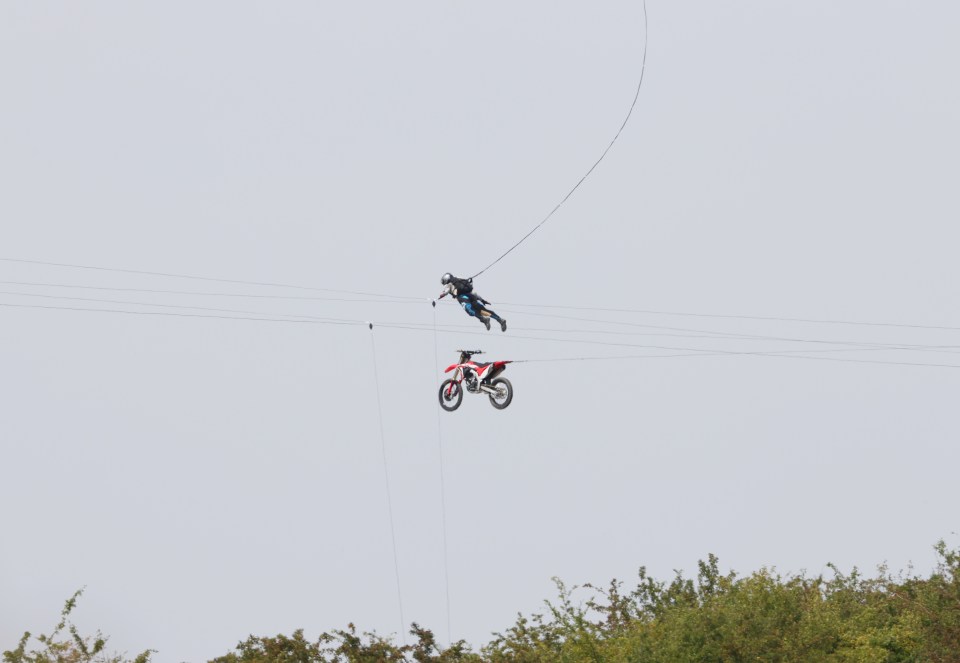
{"points": [[446, 278]]}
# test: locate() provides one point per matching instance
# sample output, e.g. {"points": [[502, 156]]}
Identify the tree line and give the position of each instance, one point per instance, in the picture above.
{"points": [[714, 617]]}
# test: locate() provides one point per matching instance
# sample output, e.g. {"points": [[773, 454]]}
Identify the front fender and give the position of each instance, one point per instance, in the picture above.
{"points": [[451, 367]]}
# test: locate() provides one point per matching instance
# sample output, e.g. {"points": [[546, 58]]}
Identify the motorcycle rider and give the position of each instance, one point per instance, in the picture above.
{"points": [[472, 303]]}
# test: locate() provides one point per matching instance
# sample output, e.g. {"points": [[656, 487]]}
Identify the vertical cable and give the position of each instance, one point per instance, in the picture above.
{"points": [[386, 479], [443, 495]]}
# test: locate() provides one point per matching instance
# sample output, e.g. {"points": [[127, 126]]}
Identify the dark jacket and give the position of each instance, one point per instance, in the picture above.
{"points": [[463, 286]]}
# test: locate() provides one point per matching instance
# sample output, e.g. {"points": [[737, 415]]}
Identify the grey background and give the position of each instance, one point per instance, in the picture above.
{"points": [[206, 479]]}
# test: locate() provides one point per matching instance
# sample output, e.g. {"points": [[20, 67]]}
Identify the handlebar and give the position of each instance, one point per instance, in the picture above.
{"points": [[470, 352]]}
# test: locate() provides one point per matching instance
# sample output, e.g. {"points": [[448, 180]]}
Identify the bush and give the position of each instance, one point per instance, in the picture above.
{"points": [[65, 644]]}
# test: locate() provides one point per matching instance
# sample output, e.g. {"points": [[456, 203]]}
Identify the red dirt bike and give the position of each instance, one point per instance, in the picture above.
{"points": [[477, 378]]}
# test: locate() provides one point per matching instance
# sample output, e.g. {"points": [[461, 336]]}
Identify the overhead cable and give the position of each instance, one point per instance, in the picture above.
{"points": [[737, 317], [269, 316], [701, 352], [710, 352], [178, 306], [409, 299], [781, 355], [201, 278], [184, 315], [633, 104], [194, 293]]}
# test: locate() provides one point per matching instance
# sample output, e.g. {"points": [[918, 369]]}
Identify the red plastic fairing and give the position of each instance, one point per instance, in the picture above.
{"points": [[451, 367]]}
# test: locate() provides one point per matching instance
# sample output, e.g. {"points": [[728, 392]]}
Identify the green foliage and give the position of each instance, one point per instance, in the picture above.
{"points": [[765, 617], [715, 617], [279, 649], [65, 644], [347, 647]]}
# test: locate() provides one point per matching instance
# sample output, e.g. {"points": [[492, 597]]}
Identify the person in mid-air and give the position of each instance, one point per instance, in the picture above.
{"points": [[472, 303]]}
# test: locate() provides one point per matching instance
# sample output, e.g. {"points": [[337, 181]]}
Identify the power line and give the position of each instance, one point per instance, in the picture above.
{"points": [[202, 278], [643, 67], [781, 355], [711, 352], [738, 317], [703, 333], [614, 344], [688, 332], [407, 299], [242, 315], [696, 351], [209, 294], [182, 315], [177, 306]]}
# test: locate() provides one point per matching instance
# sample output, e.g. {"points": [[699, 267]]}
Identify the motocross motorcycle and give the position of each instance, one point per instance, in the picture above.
{"points": [[477, 378]]}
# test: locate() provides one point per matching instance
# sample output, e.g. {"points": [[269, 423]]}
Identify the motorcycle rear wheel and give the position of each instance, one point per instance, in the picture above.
{"points": [[504, 393], [450, 399]]}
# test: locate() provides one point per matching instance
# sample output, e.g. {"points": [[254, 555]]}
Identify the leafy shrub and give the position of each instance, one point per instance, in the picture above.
{"points": [[65, 644]]}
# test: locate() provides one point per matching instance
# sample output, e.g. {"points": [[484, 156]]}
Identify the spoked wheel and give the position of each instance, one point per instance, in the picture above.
{"points": [[504, 393], [451, 395]]}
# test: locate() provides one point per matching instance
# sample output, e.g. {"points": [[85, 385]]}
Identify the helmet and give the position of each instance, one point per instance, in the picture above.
{"points": [[446, 278]]}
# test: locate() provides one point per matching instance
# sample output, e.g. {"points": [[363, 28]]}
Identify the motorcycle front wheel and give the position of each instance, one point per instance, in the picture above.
{"points": [[451, 395], [504, 393]]}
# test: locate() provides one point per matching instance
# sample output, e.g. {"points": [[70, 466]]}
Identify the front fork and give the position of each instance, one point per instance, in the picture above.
{"points": [[457, 378]]}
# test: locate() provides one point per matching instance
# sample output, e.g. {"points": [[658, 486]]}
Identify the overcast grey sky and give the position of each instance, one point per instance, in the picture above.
{"points": [[206, 479]]}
